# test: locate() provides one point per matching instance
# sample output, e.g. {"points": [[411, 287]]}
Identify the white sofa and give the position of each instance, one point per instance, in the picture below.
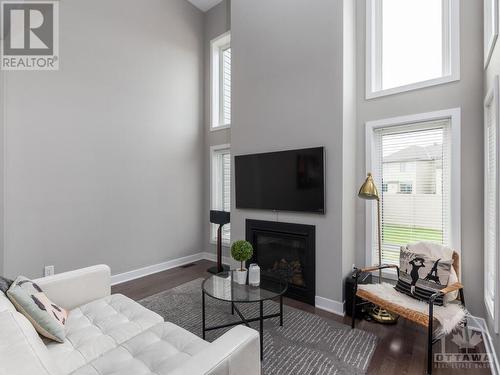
{"points": [[111, 334]]}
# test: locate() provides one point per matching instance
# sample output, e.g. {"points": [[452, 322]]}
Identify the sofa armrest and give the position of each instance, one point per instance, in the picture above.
{"points": [[75, 288], [237, 352]]}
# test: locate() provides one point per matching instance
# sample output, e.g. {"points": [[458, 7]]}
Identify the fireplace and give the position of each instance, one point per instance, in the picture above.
{"points": [[286, 250]]}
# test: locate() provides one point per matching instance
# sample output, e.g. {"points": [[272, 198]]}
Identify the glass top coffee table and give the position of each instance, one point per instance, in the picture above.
{"points": [[222, 287]]}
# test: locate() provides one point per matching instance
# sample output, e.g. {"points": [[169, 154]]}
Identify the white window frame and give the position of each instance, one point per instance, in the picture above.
{"points": [[490, 22], [493, 98], [215, 187], [451, 51], [217, 46], [454, 115]]}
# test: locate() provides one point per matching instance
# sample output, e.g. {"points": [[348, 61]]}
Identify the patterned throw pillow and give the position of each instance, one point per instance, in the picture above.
{"points": [[47, 318], [420, 276], [5, 284]]}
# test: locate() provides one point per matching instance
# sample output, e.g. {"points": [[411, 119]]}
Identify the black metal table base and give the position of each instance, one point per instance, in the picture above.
{"points": [[244, 320]]}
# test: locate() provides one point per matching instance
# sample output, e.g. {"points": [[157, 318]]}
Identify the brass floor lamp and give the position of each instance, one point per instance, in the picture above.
{"points": [[369, 191]]}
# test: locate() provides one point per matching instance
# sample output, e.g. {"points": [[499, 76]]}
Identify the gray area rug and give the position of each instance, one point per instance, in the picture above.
{"points": [[306, 344]]}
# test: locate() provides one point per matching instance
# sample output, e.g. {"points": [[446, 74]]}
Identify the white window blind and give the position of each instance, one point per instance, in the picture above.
{"points": [[226, 86], [491, 205], [221, 188], [491, 208], [415, 199]]}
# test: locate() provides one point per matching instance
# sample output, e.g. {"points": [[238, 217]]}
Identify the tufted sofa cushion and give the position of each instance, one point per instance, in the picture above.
{"points": [[159, 350], [98, 327], [5, 304], [21, 350]]}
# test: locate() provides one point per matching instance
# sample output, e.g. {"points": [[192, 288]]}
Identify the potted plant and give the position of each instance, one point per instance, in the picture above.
{"points": [[241, 251]]}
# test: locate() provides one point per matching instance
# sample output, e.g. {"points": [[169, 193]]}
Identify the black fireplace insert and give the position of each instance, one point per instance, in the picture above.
{"points": [[286, 250]]}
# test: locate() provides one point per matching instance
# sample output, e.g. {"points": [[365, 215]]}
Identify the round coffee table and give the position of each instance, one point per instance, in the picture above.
{"points": [[222, 287]]}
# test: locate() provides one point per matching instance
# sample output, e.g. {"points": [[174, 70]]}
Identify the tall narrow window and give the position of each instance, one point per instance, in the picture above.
{"points": [[420, 208], [411, 44], [221, 82], [491, 203], [226, 86], [221, 187]]}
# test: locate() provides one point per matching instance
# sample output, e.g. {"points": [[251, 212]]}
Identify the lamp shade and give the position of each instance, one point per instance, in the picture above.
{"points": [[368, 190]]}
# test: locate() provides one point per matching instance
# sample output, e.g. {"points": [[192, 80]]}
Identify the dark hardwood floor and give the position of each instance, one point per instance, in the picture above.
{"points": [[401, 349]]}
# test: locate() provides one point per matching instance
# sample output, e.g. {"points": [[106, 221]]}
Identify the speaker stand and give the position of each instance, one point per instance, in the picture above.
{"points": [[219, 267]]}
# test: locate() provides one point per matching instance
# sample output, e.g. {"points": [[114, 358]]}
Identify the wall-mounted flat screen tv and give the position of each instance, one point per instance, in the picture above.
{"points": [[282, 181]]}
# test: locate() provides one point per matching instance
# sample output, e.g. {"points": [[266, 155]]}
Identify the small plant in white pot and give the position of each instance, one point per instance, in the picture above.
{"points": [[241, 251]]}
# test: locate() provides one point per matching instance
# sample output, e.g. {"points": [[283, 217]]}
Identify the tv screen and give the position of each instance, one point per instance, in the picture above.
{"points": [[282, 181]]}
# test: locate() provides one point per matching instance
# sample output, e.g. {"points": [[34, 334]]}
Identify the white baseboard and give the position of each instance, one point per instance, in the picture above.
{"points": [[320, 302], [226, 260], [155, 268], [330, 305]]}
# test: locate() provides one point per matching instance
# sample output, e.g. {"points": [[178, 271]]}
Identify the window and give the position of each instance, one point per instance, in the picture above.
{"points": [[490, 28], [221, 187], [221, 82], [411, 44], [412, 207], [491, 203]]}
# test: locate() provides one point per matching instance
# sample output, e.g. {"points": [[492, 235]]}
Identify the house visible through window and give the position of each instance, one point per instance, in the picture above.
{"points": [[405, 188], [221, 187], [411, 44], [221, 82], [416, 198]]}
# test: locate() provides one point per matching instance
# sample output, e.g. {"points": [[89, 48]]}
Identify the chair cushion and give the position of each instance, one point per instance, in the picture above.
{"points": [[22, 352], [29, 299], [159, 351], [97, 327], [387, 297]]}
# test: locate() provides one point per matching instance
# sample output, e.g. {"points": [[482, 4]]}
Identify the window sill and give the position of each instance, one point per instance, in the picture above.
{"points": [[220, 127], [411, 87]]}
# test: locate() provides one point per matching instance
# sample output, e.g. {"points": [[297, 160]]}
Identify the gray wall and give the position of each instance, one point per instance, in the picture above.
{"points": [[492, 70], [2, 120], [350, 179], [106, 163], [467, 94], [287, 66], [217, 22]]}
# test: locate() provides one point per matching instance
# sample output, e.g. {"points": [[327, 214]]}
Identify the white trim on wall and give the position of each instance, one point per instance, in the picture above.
{"points": [[322, 303], [330, 305], [490, 22], [154, 268], [373, 46], [492, 99], [454, 115]]}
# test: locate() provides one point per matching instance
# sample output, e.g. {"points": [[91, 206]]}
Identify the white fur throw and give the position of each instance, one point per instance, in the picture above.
{"points": [[448, 316]]}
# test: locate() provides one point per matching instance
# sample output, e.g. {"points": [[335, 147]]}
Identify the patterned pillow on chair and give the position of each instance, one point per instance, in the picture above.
{"points": [[420, 275], [30, 300]]}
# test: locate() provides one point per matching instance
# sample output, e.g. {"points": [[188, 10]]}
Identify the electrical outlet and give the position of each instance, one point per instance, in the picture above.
{"points": [[48, 271]]}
